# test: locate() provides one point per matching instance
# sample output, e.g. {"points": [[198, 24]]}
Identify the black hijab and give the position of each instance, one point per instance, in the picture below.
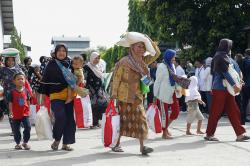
{"points": [[221, 59], [53, 80]]}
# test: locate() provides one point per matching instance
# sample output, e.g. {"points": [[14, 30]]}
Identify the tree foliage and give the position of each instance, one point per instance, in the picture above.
{"points": [[112, 55], [199, 23], [16, 42]]}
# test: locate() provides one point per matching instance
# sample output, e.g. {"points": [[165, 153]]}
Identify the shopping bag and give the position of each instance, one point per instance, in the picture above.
{"points": [[33, 110], [154, 118], [163, 115], [83, 112], [236, 79], [43, 124], [110, 126]]}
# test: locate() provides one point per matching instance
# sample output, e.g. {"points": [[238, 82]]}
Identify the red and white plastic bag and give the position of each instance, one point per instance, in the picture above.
{"points": [[110, 126], [153, 116], [83, 112]]}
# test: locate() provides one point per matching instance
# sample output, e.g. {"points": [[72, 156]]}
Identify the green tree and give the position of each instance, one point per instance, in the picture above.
{"points": [[16, 42], [112, 55], [137, 18], [199, 23], [101, 49]]}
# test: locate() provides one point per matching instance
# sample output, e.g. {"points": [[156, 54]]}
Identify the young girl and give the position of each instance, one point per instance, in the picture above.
{"points": [[77, 65], [193, 100]]}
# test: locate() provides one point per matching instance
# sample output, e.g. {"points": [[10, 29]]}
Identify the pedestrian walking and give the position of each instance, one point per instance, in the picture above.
{"points": [[19, 102], [222, 99], [193, 100], [56, 78], [164, 91], [126, 87]]}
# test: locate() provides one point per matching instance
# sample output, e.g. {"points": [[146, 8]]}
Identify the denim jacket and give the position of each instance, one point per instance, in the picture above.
{"points": [[218, 78]]}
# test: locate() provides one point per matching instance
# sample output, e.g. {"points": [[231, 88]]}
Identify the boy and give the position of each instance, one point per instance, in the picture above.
{"points": [[19, 111], [77, 65]]}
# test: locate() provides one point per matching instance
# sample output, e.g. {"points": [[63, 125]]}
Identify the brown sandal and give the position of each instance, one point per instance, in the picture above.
{"points": [[55, 145], [67, 148], [18, 147], [26, 146]]}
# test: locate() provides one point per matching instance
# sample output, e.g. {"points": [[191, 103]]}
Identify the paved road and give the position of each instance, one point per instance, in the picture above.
{"points": [[181, 151]]}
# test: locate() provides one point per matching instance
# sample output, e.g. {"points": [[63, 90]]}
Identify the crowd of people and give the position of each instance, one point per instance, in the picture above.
{"points": [[174, 87]]}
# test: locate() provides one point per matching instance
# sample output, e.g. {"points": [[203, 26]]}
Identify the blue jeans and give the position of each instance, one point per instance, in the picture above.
{"points": [[64, 125], [17, 127]]}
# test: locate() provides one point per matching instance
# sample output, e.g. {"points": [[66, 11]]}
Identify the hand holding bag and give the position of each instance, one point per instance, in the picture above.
{"points": [[110, 126]]}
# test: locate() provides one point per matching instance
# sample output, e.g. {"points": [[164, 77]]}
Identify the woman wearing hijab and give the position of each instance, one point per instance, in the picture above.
{"points": [[94, 77], [12, 66], [55, 85], [126, 87], [222, 99], [164, 91]]}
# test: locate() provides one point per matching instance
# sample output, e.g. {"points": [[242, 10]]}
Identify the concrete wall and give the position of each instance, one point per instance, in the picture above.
{"points": [[1, 29], [75, 44]]}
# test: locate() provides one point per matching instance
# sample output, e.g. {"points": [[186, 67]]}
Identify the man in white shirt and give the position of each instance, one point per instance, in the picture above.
{"points": [[200, 73], [180, 72]]}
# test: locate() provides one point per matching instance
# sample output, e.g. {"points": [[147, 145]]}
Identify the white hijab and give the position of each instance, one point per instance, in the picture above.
{"points": [[95, 68], [193, 90]]}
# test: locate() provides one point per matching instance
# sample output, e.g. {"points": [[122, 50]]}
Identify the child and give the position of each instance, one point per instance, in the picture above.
{"points": [[19, 111], [193, 100], [77, 65]]}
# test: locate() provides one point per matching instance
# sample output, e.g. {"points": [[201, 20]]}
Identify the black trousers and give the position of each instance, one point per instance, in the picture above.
{"points": [[245, 100], [97, 111], [204, 98], [64, 125]]}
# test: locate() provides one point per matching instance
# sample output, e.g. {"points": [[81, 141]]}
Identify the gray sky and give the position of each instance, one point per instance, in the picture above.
{"points": [[103, 21]]}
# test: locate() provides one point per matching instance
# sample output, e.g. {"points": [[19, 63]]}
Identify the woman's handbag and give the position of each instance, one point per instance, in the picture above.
{"points": [[236, 79], [182, 81]]}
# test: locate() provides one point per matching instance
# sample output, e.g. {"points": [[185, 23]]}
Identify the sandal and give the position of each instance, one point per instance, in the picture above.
{"points": [[18, 147], [67, 148], [117, 149], [243, 139], [146, 150], [211, 138], [26, 146], [55, 145]]}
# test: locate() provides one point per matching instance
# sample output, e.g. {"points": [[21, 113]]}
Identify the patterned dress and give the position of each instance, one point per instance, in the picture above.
{"points": [[126, 86]]}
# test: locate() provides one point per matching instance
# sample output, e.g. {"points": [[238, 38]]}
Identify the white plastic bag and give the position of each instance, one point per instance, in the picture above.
{"points": [[43, 124], [32, 117]]}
